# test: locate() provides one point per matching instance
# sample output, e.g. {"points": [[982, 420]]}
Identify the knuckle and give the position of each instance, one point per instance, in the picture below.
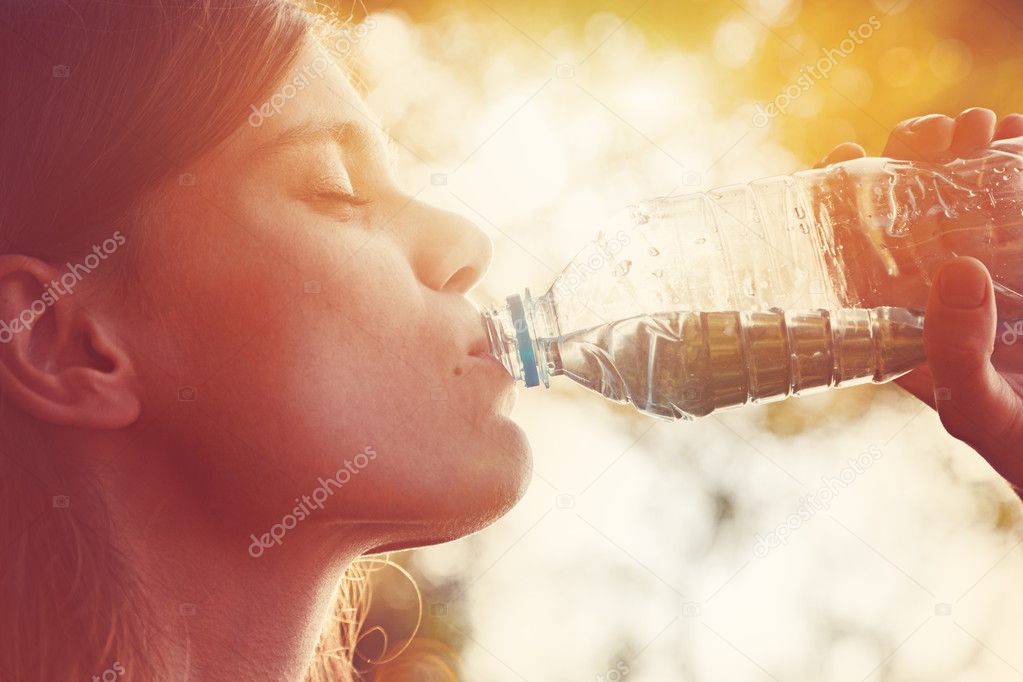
{"points": [[905, 124], [962, 352]]}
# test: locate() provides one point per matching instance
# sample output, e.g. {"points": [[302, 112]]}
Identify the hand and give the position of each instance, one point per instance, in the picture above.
{"points": [[938, 138], [976, 404]]}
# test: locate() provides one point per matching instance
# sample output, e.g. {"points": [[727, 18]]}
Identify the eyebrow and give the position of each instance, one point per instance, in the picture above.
{"points": [[346, 134]]}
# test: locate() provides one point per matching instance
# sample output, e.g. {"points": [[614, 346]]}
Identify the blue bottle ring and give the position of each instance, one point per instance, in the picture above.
{"points": [[525, 343]]}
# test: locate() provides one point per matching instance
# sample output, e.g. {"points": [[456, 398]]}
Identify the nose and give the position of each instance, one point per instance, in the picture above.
{"points": [[449, 253]]}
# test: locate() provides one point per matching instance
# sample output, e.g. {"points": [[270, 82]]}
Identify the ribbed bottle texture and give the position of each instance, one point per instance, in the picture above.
{"points": [[750, 293]]}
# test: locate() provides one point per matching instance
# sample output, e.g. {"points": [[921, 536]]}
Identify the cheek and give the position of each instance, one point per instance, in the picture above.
{"points": [[298, 338], [343, 363]]}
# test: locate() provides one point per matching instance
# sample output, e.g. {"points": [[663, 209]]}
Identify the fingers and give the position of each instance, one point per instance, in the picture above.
{"points": [[843, 152], [939, 138], [1010, 126], [974, 129], [975, 403], [926, 138]]}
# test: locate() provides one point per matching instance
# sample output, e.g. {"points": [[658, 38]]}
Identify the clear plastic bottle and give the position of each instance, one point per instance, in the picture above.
{"points": [[752, 293]]}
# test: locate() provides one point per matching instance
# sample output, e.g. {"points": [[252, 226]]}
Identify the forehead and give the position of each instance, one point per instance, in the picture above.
{"points": [[314, 95]]}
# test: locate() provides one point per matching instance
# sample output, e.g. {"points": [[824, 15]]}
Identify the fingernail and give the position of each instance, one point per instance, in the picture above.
{"points": [[962, 285]]}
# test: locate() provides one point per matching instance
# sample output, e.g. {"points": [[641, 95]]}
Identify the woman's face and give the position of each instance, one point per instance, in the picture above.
{"points": [[288, 332]]}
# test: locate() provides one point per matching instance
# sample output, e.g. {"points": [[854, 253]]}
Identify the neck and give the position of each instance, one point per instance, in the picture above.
{"points": [[221, 619], [216, 611]]}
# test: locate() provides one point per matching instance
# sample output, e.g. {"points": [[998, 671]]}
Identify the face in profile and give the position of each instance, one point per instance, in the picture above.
{"points": [[269, 367], [302, 318]]}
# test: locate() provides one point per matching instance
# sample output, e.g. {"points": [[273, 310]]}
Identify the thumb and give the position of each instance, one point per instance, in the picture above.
{"points": [[975, 403]]}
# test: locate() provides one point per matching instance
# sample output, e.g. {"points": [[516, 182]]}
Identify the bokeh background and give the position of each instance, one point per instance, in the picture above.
{"points": [[635, 555]]}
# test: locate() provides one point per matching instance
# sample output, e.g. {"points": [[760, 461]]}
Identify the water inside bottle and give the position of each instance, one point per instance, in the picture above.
{"points": [[681, 365]]}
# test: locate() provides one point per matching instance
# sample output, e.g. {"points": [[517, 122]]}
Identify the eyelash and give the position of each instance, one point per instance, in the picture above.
{"points": [[341, 195]]}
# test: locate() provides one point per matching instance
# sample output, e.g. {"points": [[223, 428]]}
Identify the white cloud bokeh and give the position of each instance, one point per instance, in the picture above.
{"points": [[665, 515]]}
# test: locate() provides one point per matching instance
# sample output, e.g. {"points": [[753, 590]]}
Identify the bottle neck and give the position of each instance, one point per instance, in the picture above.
{"points": [[517, 332]]}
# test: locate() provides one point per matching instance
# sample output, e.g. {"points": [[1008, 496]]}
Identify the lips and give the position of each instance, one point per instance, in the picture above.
{"points": [[480, 347]]}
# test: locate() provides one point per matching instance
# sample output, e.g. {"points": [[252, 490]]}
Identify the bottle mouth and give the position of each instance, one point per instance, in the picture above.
{"points": [[511, 331], [500, 344]]}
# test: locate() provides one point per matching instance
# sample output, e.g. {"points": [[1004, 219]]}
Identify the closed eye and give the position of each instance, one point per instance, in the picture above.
{"points": [[341, 195]]}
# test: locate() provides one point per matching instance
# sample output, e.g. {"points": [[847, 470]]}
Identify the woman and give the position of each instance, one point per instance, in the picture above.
{"points": [[236, 355], [248, 356]]}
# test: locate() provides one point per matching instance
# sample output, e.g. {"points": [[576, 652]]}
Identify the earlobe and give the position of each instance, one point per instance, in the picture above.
{"points": [[60, 361]]}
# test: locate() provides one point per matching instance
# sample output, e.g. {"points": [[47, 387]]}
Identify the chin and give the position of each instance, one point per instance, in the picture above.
{"points": [[512, 460], [470, 505], [399, 545]]}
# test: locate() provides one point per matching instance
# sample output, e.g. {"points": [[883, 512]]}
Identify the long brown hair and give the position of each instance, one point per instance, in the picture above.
{"points": [[101, 101]]}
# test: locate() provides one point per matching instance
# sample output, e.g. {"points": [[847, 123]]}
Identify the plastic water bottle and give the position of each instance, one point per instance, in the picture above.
{"points": [[784, 286]]}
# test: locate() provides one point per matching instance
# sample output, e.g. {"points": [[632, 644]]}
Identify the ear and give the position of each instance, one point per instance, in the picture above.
{"points": [[59, 362]]}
